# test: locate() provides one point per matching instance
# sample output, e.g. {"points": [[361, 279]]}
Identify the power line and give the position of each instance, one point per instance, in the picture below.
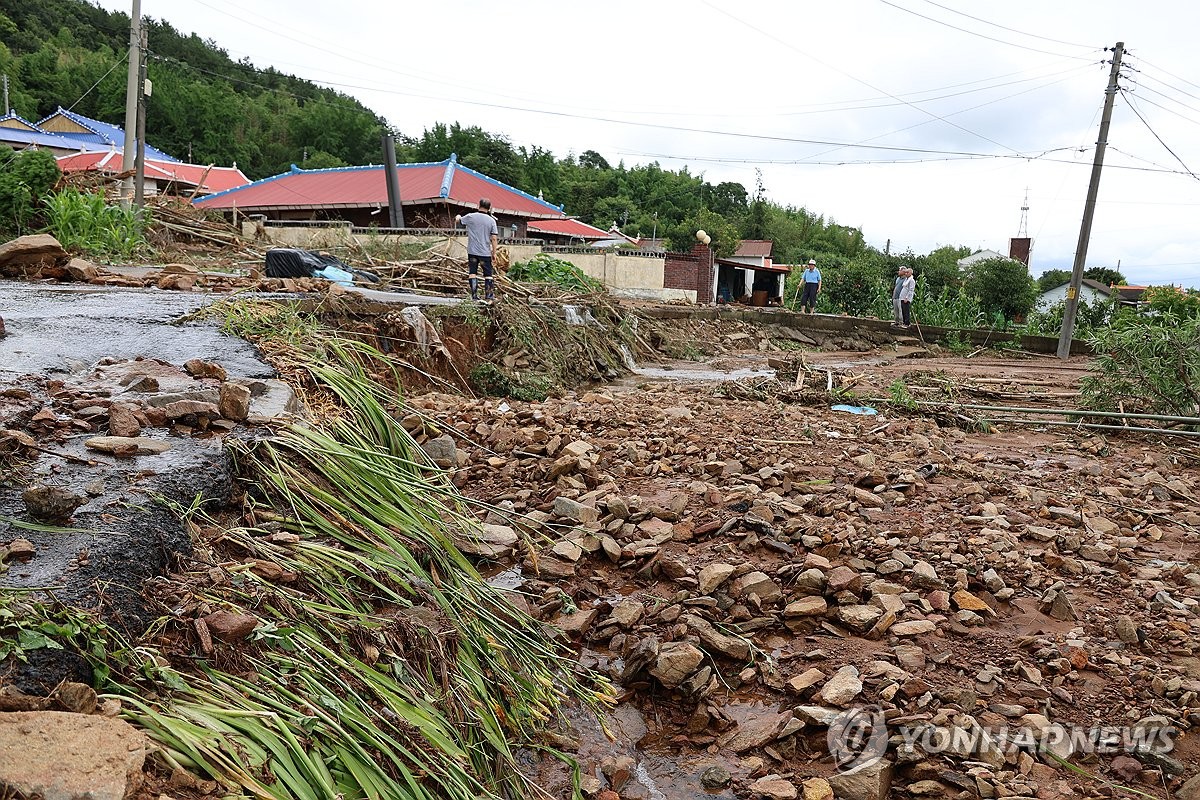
{"points": [[976, 33], [954, 113], [88, 91], [1170, 111], [1003, 27], [790, 46], [614, 121], [1133, 106]]}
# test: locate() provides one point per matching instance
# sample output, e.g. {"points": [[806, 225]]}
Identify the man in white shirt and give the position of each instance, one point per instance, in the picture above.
{"points": [[907, 289]]}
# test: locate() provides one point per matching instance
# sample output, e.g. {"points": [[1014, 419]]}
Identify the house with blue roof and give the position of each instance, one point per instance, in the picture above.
{"points": [[19, 134], [92, 134]]}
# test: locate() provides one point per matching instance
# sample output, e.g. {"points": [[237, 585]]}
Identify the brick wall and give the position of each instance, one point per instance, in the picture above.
{"points": [[679, 271], [691, 271]]}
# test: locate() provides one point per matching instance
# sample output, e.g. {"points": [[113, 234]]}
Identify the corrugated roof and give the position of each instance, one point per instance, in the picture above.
{"points": [[102, 133], [567, 227], [366, 187], [754, 248], [218, 179]]}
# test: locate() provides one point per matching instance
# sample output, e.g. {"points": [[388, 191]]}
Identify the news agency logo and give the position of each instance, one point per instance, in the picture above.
{"points": [[858, 738]]}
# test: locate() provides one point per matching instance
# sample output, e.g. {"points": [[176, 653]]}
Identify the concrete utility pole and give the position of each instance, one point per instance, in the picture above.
{"points": [[1089, 209], [7, 108], [132, 90], [139, 169]]}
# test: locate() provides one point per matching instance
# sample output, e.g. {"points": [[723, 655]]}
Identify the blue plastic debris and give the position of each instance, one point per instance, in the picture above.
{"points": [[865, 411]]}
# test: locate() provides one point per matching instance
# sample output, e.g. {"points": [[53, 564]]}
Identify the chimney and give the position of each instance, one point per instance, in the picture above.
{"points": [[1018, 249]]}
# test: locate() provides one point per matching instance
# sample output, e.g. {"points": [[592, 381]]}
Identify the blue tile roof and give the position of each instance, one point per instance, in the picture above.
{"points": [[103, 133], [25, 138]]}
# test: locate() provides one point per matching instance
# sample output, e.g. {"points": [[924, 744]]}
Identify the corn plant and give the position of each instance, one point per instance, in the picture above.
{"points": [[86, 223]]}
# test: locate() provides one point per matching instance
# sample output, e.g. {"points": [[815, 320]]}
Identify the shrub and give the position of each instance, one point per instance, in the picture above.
{"points": [[1146, 364], [25, 178], [85, 222], [545, 268]]}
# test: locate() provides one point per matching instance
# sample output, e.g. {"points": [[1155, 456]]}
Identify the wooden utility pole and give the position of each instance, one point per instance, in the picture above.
{"points": [[132, 91], [1089, 209]]}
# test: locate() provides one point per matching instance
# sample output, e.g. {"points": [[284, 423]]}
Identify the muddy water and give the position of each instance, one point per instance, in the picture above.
{"points": [[67, 327]]}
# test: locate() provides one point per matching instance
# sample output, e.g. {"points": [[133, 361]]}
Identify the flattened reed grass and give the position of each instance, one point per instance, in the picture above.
{"points": [[383, 666]]}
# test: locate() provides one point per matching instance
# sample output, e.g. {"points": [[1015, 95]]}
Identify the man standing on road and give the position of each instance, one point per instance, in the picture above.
{"points": [[811, 277], [482, 236], [897, 314], [907, 290]]}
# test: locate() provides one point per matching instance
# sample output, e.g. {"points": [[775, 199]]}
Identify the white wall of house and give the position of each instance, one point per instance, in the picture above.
{"points": [[1086, 294]]}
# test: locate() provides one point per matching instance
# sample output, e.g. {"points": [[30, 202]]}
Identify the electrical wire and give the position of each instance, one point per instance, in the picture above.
{"points": [[98, 81], [976, 33], [1147, 101], [1133, 106], [955, 113], [1002, 27], [810, 56], [656, 126]]}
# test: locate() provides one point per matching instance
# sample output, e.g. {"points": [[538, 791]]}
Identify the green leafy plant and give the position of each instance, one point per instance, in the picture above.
{"points": [[545, 268], [957, 344], [900, 396], [1146, 364], [25, 178], [85, 222]]}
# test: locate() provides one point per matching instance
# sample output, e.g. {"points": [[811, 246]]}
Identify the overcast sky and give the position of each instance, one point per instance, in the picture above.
{"points": [[909, 119]]}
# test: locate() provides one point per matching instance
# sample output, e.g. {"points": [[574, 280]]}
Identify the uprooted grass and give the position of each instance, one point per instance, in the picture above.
{"points": [[566, 346], [382, 664]]}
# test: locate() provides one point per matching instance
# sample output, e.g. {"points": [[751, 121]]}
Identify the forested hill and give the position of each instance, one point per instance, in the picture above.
{"points": [[205, 104], [207, 108]]}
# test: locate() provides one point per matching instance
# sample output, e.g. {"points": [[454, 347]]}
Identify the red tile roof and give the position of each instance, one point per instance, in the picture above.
{"points": [[359, 187], [754, 248], [567, 227], [218, 179]]}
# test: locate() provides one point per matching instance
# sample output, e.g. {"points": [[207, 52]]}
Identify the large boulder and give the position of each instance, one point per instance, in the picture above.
{"points": [[26, 256]]}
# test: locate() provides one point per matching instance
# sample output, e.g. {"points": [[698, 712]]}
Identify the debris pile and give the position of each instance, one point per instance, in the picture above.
{"points": [[702, 550]]}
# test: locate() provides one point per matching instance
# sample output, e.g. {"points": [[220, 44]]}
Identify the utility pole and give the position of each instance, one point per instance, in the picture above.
{"points": [[132, 90], [1089, 209], [6, 106], [139, 169]]}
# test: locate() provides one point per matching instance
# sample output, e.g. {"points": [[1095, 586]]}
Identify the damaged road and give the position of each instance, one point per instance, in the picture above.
{"points": [[111, 423]]}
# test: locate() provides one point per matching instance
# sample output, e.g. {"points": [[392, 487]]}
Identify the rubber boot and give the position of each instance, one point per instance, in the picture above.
{"points": [[489, 289], [474, 284]]}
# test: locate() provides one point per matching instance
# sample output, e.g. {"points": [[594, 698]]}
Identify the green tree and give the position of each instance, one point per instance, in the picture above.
{"points": [[1106, 275], [1052, 279], [1003, 287]]}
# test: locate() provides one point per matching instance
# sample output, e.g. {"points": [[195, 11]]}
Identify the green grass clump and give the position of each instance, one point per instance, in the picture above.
{"points": [[383, 666]]}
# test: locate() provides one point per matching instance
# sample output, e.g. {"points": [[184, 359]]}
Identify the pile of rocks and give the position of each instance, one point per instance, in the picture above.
{"points": [[705, 550]]}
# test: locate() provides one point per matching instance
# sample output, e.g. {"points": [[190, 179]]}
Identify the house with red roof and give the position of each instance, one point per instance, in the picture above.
{"points": [[750, 273], [162, 177], [566, 231], [431, 195]]}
